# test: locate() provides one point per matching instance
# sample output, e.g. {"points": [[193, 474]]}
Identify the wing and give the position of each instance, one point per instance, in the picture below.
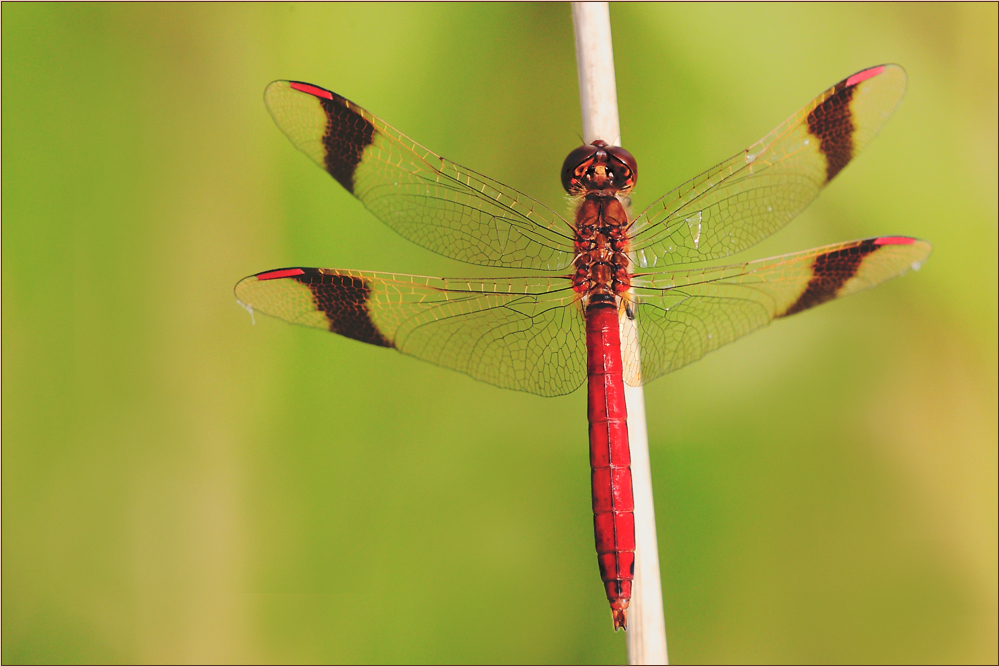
{"points": [[517, 333], [683, 316], [429, 200], [759, 190]]}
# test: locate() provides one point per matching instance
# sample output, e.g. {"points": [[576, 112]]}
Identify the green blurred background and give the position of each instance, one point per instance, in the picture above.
{"points": [[180, 486]]}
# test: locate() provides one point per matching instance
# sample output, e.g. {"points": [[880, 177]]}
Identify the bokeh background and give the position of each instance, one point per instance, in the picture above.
{"points": [[180, 486]]}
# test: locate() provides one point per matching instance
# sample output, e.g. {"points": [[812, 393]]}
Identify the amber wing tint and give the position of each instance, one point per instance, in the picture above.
{"points": [[684, 315], [518, 333], [429, 200], [761, 189], [527, 333]]}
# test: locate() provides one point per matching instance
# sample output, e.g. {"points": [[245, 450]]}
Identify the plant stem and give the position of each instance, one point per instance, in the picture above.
{"points": [[647, 641]]}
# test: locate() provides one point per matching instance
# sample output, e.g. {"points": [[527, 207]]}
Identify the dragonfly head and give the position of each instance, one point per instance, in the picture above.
{"points": [[598, 166]]}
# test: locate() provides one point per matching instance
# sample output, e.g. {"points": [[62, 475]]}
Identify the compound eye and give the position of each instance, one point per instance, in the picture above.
{"points": [[574, 160], [624, 157]]}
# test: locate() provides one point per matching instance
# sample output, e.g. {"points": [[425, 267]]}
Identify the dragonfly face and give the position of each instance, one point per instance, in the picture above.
{"points": [[599, 166], [560, 324]]}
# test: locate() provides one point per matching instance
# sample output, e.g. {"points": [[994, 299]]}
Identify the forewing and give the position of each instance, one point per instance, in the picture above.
{"points": [[431, 201], [683, 316], [518, 333], [759, 190]]}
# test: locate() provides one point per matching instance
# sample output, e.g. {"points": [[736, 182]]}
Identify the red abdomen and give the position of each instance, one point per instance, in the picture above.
{"points": [[611, 477]]}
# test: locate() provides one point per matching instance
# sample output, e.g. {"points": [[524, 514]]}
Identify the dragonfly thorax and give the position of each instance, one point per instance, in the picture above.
{"points": [[601, 244]]}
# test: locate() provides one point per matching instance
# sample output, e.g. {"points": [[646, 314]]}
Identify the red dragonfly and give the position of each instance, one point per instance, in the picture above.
{"points": [[597, 283]]}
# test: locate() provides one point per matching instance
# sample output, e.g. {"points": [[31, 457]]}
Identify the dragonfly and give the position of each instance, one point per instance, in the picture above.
{"points": [[600, 296]]}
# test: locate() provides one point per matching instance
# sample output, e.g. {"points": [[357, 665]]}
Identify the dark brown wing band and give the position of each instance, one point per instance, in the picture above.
{"points": [[830, 272], [342, 299], [346, 137], [832, 123]]}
